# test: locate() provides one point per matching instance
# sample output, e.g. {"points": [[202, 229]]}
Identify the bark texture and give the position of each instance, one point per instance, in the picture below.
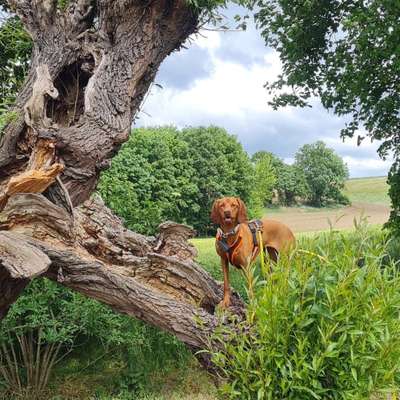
{"points": [[92, 64]]}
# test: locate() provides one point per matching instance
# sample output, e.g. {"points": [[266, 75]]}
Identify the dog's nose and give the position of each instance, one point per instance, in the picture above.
{"points": [[227, 213]]}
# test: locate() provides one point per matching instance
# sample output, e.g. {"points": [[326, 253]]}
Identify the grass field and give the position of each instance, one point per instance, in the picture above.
{"points": [[369, 198], [368, 190]]}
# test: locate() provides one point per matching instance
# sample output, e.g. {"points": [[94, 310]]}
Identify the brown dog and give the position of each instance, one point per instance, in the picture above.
{"points": [[236, 240]]}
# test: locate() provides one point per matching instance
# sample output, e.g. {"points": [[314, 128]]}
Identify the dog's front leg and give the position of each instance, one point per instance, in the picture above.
{"points": [[226, 302]]}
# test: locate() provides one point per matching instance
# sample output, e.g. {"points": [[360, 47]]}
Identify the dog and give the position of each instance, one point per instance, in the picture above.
{"points": [[237, 238]]}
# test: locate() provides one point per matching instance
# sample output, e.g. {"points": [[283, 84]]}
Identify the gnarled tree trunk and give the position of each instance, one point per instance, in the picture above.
{"points": [[92, 64]]}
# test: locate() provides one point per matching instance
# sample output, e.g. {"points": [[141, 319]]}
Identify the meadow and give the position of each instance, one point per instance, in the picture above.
{"points": [[368, 190], [368, 196]]}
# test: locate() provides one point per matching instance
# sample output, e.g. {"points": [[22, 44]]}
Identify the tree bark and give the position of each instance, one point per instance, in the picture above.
{"points": [[91, 67]]}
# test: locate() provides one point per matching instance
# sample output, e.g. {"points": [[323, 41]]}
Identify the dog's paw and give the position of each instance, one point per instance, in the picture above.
{"points": [[225, 304]]}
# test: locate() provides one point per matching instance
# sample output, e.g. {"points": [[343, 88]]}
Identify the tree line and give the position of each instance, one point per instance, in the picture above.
{"points": [[164, 173]]}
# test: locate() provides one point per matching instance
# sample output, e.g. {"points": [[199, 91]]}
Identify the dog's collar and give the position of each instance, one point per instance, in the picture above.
{"points": [[226, 235]]}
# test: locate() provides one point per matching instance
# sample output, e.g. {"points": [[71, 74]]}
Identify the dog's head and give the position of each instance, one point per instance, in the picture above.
{"points": [[228, 211]]}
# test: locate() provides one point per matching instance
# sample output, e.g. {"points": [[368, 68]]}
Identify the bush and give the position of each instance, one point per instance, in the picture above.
{"points": [[163, 173], [49, 323], [394, 192], [325, 173], [263, 183], [324, 325], [290, 182]]}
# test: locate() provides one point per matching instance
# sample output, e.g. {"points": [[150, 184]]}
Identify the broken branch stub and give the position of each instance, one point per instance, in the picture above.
{"points": [[20, 262]]}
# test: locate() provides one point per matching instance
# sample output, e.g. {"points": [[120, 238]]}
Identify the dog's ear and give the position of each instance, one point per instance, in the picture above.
{"points": [[242, 213], [215, 215]]}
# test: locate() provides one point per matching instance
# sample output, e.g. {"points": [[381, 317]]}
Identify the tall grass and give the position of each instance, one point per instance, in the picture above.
{"points": [[323, 325]]}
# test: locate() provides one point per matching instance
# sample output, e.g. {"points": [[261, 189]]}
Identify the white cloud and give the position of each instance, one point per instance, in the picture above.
{"points": [[228, 91], [361, 167], [208, 39]]}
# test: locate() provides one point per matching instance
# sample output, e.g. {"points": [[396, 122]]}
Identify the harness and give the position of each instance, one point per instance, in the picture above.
{"points": [[255, 227]]}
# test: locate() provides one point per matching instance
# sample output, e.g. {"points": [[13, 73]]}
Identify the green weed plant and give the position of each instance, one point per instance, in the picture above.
{"points": [[323, 325]]}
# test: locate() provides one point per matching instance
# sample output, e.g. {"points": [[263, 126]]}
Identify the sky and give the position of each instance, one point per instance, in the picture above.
{"points": [[219, 80]]}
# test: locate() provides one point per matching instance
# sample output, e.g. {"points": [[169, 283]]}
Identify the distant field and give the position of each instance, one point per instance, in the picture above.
{"points": [[368, 190], [369, 199]]}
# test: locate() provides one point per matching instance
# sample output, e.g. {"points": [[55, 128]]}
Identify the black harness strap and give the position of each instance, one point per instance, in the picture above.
{"points": [[255, 226], [222, 238], [223, 244]]}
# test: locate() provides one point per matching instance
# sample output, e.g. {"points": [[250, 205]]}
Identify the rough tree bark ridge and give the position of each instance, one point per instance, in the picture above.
{"points": [[92, 64]]}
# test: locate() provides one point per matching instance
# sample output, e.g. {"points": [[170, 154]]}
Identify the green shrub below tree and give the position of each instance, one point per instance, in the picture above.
{"points": [[324, 325]]}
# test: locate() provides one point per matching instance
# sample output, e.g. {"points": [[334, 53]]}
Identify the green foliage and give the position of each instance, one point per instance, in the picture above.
{"points": [[6, 117], [323, 325], [264, 183], [324, 171], [290, 183], [62, 4], [394, 193], [347, 54], [162, 173], [222, 168], [344, 52], [15, 50], [151, 179], [71, 321]]}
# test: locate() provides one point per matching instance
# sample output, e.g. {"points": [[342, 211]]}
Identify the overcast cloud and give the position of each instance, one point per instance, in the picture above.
{"points": [[219, 80]]}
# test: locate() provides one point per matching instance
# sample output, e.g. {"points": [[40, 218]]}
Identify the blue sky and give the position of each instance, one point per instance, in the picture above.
{"points": [[219, 80]]}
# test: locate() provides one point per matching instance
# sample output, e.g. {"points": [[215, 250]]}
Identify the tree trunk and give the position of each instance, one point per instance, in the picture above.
{"points": [[92, 64]]}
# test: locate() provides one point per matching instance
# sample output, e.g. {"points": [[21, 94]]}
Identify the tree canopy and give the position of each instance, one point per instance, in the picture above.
{"points": [[325, 173], [265, 180], [163, 173], [347, 54]]}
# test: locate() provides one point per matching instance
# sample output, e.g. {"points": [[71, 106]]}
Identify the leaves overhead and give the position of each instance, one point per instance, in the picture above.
{"points": [[345, 52], [15, 52]]}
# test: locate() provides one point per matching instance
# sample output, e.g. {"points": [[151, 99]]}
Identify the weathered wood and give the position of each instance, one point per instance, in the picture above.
{"points": [[91, 67], [100, 70], [41, 172], [20, 259], [20, 262], [35, 112]]}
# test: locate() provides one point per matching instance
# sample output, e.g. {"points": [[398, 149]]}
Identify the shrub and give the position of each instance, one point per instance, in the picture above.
{"points": [[162, 173], [48, 322], [324, 325], [290, 183], [324, 171], [394, 192], [263, 184]]}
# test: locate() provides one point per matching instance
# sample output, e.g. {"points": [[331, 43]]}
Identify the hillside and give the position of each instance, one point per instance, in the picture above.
{"points": [[368, 190]]}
